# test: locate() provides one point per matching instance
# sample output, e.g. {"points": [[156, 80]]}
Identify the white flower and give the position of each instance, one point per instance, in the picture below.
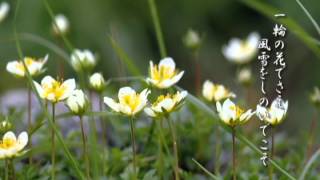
{"points": [[4, 10], [165, 74], [82, 60], [192, 39], [35, 67], [97, 82], [233, 115], [10, 146], [60, 24], [166, 104], [53, 90], [215, 92], [130, 103], [77, 102], [245, 76], [275, 114], [242, 51]]}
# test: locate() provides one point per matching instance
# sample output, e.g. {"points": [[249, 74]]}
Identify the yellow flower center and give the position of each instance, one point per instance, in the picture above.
{"points": [[245, 47], [28, 61], [238, 110], [55, 88], [7, 143], [162, 73], [132, 101]]}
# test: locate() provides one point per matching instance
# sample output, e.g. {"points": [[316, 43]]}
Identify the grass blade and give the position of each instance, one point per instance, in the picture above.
{"points": [[312, 160], [315, 24], [157, 27], [206, 171], [294, 27]]}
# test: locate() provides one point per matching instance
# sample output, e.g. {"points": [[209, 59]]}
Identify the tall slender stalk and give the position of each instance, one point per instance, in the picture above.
{"points": [[311, 137], [103, 132], [217, 151], [6, 176], [272, 152], [53, 144], [29, 123], [175, 149], [197, 75], [12, 169], [85, 148], [234, 173], [160, 153], [133, 141]]}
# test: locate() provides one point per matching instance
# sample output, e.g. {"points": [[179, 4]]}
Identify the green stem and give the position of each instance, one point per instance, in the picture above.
{"points": [[6, 170], [217, 151], [160, 156], [29, 123], [157, 27], [234, 173], [85, 148], [104, 128], [12, 169], [53, 144], [133, 141], [175, 149], [272, 152]]}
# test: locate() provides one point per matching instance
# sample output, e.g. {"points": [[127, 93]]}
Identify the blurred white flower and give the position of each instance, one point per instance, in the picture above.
{"points": [[10, 146], [192, 39], [83, 60], [166, 104], [244, 76], [53, 90], [315, 96], [60, 24], [130, 102], [77, 102], [242, 51], [165, 74], [215, 92], [275, 114], [233, 115], [35, 67], [97, 82], [4, 10]]}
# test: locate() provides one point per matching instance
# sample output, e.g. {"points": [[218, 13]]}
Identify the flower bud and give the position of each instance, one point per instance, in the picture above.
{"points": [[97, 82], [4, 10], [5, 126], [83, 60], [77, 102], [244, 76], [60, 25], [192, 40]]}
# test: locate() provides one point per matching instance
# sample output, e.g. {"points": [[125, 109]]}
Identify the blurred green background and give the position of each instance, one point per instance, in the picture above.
{"points": [[130, 23]]}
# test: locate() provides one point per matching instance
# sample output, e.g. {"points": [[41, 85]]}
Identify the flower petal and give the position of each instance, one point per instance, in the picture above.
{"points": [[112, 104]]}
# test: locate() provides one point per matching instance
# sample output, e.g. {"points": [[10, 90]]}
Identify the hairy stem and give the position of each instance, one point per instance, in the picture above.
{"points": [[53, 144], [29, 123], [133, 141], [175, 150], [85, 148], [234, 173]]}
